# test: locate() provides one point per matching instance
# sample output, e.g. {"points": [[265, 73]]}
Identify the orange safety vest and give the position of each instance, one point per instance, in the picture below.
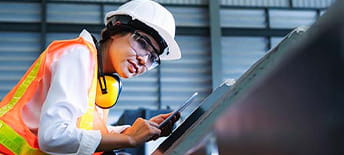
{"points": [[15, 137]]}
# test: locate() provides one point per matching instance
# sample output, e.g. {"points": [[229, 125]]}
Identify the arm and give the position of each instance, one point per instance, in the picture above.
{"points": [[67, 100], [141, 131]]}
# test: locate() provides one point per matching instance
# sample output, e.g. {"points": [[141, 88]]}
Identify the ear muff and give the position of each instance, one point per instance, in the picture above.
{"points": [[110, 97]]}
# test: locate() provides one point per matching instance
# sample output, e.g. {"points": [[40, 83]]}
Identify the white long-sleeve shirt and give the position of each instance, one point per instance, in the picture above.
{"points": [[65, 101]]}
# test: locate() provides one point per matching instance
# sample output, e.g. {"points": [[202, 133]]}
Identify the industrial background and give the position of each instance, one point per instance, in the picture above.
{"points": [[219, 41]]}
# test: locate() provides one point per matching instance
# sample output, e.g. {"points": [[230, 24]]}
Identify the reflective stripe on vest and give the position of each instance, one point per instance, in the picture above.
{"points": [[18, 143], [21, 89], [14, 142]]}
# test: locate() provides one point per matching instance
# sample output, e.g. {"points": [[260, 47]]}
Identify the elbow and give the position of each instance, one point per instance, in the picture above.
{"points": [[46, 144], [57, 140]]}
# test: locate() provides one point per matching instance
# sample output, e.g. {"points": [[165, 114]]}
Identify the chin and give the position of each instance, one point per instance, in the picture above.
{"points": [[124, 75], [128, 75]]}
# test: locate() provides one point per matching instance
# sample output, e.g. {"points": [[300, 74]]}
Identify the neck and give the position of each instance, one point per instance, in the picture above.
{"points": [[105, 58]]}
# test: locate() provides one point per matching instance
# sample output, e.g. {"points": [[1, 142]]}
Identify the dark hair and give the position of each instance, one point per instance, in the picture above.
{"points": [[124, 23], [116, 30]]}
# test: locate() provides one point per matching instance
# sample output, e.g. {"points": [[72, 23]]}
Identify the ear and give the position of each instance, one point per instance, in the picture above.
{"points": [[113, 37]]}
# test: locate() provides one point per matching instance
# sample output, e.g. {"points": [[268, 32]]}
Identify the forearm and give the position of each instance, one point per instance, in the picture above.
{"points": [[115, 141], [140, 132]]}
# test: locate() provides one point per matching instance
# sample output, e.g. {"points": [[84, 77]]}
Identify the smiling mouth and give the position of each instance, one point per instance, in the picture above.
{"points": [[133, 68]]}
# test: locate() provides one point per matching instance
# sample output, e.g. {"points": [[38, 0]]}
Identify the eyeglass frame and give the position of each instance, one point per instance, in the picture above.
{"points": [[126, 20]]}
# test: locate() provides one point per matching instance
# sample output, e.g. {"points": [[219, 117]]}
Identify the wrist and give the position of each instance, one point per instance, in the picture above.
{"points": [[131, 141]]}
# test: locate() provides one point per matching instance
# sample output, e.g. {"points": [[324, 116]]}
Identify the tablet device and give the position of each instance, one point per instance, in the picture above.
{"points": [[179, 109]]}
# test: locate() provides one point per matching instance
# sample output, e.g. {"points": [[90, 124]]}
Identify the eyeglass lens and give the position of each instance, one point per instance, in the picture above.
{"points": [[143, 47]]}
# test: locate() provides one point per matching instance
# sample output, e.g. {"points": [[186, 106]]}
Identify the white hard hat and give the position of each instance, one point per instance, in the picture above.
{"points": [[155, 16]]}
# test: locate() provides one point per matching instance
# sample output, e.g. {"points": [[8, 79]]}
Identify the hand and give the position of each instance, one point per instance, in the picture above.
{"points": [[168, 128], [141, 131]]}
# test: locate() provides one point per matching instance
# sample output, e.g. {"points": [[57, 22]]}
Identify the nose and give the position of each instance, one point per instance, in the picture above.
{"points": [[142, 59]]}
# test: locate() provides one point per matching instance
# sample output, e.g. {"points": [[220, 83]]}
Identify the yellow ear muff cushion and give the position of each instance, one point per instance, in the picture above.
{"points": [[113, 90]]}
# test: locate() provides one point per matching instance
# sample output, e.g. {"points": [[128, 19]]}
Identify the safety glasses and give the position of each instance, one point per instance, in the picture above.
{"points": [[144, 48]]}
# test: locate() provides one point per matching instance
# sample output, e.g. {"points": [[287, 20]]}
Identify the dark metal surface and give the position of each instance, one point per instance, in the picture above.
{"points": [[190, 121], [290, 102], [200, 123], [298, 107]]}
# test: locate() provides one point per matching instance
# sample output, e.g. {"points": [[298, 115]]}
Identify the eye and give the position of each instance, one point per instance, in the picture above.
{"points": [[143, 44]]}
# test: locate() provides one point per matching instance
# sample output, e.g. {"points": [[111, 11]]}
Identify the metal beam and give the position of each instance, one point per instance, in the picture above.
{"points": [[20, 27], [215, 42], [43, 24], [290, 4], [255, 32], [267, 21], [96, 28]]}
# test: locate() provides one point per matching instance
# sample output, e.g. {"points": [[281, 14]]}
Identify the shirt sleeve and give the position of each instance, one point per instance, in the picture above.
{"points": [[65, 102]]}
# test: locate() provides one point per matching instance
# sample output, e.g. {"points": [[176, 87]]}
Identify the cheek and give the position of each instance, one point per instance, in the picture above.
{"points": [[118, 57], [120, 51], [115, 52]]}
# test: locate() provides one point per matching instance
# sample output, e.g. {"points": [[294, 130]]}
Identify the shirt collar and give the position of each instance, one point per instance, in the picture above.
{"points": [[87, 36]]}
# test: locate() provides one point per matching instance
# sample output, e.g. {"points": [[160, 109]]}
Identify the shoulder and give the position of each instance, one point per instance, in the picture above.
{"points": [[76, 46], [77, 54], [74, 52], [73, 55], [77, 51], [74, 62]]}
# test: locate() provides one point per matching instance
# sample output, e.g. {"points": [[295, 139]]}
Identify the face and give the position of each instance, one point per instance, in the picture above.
{"points": [[122, 57]]}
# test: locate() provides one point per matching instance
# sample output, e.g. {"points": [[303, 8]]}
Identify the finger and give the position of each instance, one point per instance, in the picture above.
{"points": [[164, 116], [155, 134], [174, 120], [177, 116], [154, 128], [154, 124], [166, 130], [157, 119], [153, 138]]}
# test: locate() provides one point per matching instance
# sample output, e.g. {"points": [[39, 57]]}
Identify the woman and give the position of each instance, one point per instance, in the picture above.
{"points": [[53, 110]]}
